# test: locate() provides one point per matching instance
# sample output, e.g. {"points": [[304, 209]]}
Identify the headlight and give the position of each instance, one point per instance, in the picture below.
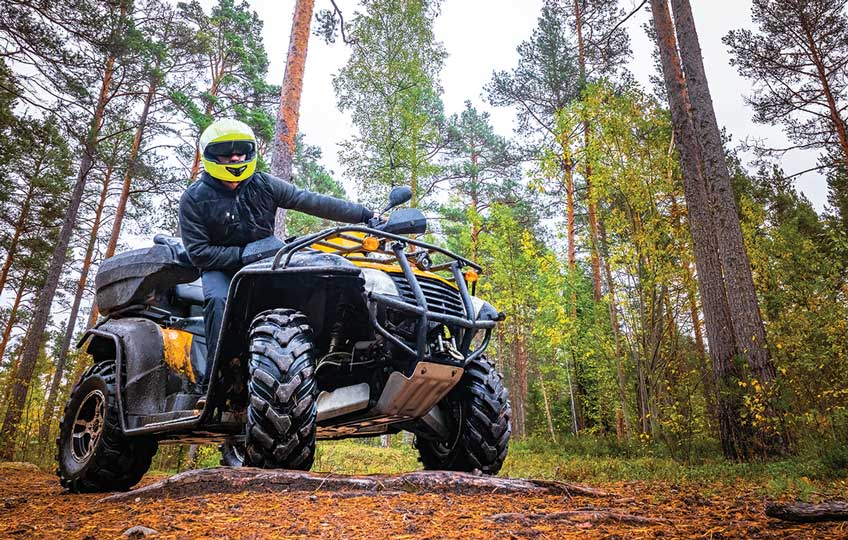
{"points": [[377, 281], [484, 310]]}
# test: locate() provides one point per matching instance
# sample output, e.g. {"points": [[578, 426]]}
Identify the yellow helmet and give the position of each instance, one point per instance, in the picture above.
{"points": [[227, 137]]}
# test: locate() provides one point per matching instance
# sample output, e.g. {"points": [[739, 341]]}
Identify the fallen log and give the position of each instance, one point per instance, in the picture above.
{"points": [[238, 479], [800, 512], [580, 516]]}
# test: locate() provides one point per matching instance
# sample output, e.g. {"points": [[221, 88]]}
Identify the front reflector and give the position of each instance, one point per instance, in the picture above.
{"points": [[369, 243]]}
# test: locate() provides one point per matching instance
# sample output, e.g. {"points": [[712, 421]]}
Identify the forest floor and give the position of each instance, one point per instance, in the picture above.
{"points": [[34, 506]]}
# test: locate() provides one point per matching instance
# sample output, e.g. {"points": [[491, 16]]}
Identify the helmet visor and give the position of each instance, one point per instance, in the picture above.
{"points": [[228, 148]]}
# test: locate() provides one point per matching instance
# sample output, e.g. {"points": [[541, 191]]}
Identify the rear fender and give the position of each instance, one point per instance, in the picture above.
{"points": [[136, 345]]}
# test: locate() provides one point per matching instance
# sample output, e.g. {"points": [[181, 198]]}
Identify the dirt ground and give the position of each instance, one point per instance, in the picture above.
{"points": [[34, 506]]}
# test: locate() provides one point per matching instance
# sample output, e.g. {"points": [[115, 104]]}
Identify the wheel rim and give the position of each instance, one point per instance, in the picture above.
{"points": [[88, 426]]}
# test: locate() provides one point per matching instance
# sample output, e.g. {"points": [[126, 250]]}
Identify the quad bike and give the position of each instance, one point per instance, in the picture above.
{"points": [[354, 331]]}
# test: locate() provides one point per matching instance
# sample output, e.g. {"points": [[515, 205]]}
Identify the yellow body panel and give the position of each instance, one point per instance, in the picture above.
{"points": [[178, 351], [395, 269], [390, 268]]}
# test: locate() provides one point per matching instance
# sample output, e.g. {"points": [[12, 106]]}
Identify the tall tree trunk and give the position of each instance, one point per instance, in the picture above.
{"points": [[548, 417], [616, 329], [590, 203], [744, 307], [121, 208], [13, 315], [816, 56], [16, 236], [20, 225], [62, 355], [568, 168], [734, 439], [29, 356], [289, 112]]}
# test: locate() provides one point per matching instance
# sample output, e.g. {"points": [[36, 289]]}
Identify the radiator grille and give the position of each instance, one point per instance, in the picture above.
{"points": [[441, 297]]}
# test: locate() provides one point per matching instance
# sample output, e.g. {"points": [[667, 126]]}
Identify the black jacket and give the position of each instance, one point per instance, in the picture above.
{"points": [[216, 223]]}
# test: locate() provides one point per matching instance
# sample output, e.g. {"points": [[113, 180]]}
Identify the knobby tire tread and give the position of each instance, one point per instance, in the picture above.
{"points": [[282, 409]]}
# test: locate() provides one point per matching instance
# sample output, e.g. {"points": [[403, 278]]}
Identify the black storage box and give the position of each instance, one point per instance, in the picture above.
{"points": [[141, 275]]}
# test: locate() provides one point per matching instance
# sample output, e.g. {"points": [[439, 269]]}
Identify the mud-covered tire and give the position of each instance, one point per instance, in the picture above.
{"points": [[479, 413], [232, 454], [281, 411], [94, 455]]}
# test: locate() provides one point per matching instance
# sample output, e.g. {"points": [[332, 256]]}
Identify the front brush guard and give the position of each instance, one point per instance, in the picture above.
{"points": [[470, 324]]}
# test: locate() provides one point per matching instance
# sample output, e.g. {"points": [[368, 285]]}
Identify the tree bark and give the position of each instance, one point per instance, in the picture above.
{"points": [[249, 479], [289, 112], [593, 220], [13, 315], [735, 441], [62, 355], [29, 356], [744, 307], [19, 229], [801, 512], [121, 208]]}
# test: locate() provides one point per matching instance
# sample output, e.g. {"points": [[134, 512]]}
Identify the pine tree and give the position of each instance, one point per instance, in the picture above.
{"points": [[736, 267], [390, 87], [113, 20], [603, 47], [546, 80], [238, 64], [797, 65], [482, 170], [735, 439], [283, 147], [168, 53]]}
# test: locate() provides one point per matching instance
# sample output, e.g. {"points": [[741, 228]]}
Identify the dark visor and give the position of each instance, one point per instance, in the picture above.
{"points": [[228, 148]]}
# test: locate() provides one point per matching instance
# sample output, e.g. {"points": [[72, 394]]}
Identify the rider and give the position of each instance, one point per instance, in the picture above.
{"points": [[232, 205]]}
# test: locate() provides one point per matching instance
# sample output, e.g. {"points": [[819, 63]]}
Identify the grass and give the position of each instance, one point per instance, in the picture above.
{"points": [[597, 461], [592, 462]]}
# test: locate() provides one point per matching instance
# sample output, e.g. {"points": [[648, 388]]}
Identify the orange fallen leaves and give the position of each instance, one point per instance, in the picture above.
{"points": [[34, 506]]}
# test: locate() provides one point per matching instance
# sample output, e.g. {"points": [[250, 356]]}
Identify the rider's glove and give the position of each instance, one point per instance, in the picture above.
{"points": [[367, 214]]}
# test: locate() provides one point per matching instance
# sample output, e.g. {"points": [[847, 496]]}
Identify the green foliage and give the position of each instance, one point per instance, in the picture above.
{"points": [[390, 87], [235, 86], [547, 76], [800, 274], [309, 174]]}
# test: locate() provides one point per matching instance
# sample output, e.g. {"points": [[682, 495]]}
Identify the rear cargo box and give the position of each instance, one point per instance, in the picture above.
{"points": [[139, 276]]}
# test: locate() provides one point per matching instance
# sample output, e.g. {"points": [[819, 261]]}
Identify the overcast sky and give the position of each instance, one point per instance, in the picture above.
{"points": [[480, 36]]}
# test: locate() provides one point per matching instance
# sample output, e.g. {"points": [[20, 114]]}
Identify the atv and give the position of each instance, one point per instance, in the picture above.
{"points": [[354, 331]]}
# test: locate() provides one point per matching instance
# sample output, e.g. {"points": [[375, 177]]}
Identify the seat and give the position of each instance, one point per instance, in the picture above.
{"points": [[190, 293]]}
